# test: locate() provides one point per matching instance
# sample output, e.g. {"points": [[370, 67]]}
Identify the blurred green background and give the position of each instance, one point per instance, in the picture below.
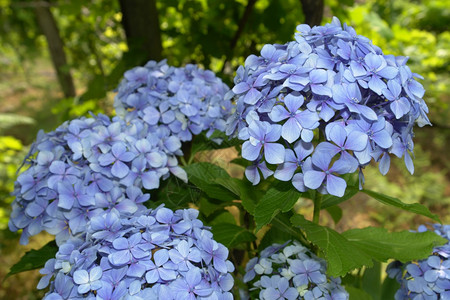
{"points": [[62, 59]]}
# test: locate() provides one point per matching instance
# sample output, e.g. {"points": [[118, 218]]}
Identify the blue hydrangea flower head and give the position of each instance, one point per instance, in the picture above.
{"points": [[331, 91], [86, 167], [428, 278], [152, 254], [185, 101], [291, 271]]}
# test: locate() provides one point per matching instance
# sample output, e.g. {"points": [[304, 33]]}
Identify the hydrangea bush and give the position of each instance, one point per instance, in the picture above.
{"points": [[88, 166], [324, 105], [150, 254], [131, 222], [291, 271], [428, 278], [184, 101]]}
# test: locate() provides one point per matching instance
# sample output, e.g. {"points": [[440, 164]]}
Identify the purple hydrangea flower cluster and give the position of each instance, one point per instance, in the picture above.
{"points": [[427, 279], [184, 101], [88, 166], [153, 254], [291, 271], [324, 105]]}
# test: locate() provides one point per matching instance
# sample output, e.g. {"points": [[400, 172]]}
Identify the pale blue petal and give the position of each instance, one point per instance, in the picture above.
{"points": [[336, 185], [313, 179], [250, 152], [274, 153]]}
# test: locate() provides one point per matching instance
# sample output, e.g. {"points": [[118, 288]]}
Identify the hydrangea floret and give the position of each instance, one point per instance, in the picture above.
{"points": [[427, 279], [153, 254], [324, 105], [291, 271], [86, 167], [184, 101]]}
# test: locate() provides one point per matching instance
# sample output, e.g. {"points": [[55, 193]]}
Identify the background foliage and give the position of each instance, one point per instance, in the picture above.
{"points": [[217, 35]]}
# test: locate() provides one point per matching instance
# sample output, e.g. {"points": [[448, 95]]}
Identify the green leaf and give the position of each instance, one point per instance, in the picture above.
{"points": [[231, 184], [358, 294], [404, 245], [203, 175], [221, 216], [371, 281], [34, 259], [351, 190], [249, 195], [280, 231], [206, 207], [388, 289], [231, 235], [341, 255], [415, 207], [203, 143], [335, 213], [175, 194], [280, 198], [330, 200], [241, 162]]}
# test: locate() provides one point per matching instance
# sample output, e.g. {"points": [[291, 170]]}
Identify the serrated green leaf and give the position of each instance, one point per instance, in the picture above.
{"points": [[34, 259], [341, 255], [280, 198], [231, 184], [358, 247], [203, 175], [403, 246], [415, 207], [231, 235]]}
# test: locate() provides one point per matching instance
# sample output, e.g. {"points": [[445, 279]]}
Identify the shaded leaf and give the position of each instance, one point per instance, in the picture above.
{"points": [[371, 281], [403, 246], [231, 184], [341, 255], [34, 259], [231, 235], [218, 140], [335, 213], [203, 175], [249, 195], [174, 194], [280, 198], [389, 287], [280, 231], [330, 200], [357, 294], [415, 207]]}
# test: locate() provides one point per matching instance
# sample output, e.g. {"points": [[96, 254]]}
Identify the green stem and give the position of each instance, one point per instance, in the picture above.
{"points": [[183, 161], [317, 207]]}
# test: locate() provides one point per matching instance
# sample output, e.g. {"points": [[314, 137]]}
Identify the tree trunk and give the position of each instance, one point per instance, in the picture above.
{"points": [[47, 25], [141, 24], [313, 11]]}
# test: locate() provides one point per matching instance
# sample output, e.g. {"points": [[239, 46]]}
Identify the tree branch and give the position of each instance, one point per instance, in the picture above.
{"points": [[48, 26], [141, 24], [241, 25], [313, 11]]}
